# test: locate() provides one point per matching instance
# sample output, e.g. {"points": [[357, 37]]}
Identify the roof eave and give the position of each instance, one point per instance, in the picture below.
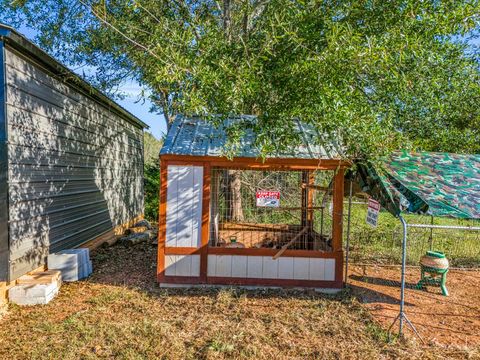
{"points": [[14, 39]]}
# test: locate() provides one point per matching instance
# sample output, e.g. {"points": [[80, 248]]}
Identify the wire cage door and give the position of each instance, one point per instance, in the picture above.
{"points": [[271, 209]]}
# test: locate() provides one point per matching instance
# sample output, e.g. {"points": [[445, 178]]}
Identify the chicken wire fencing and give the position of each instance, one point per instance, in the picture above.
{"points": [[270, 208], [382, 245]]}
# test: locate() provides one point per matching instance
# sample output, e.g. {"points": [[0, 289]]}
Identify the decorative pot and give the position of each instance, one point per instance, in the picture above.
{"points": [[434, 260]]}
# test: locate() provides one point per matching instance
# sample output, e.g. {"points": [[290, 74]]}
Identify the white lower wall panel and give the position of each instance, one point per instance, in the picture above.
{"points": [[301, 268], [270, 268], [330, 269], [182, 265], [317, 269], [223, 267], [285, 268], [264, 267], [239, 266], [254, 266]]}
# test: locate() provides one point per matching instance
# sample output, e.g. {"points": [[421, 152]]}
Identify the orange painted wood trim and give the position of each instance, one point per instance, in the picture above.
{"points": [[247, 163], [337, 231], [205, 222], [183, 280], [271, 252], [162, 219], [311, 182], [170, 250]]}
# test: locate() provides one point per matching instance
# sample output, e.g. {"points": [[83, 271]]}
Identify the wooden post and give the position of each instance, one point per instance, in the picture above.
{"points": [[162, 220], [337, 210], [305, 193], [205, 223], [311, 188]]}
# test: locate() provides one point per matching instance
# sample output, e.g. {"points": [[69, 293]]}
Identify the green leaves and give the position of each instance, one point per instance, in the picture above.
{"points": [[374, 75]]}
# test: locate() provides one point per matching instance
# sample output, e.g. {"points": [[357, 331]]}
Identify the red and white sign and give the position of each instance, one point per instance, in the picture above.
{"points": [[372, 212], [268, 198]]}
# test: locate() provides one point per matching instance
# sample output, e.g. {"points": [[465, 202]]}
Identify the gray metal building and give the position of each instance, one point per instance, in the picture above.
{"points": [[71, 159]]}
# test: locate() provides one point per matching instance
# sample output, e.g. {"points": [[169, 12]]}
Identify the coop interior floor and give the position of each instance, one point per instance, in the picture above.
{"points": [[452, 320]]}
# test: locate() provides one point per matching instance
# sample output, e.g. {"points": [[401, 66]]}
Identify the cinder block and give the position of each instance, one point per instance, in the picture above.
{"points": [[32, 294], [74, 264]]}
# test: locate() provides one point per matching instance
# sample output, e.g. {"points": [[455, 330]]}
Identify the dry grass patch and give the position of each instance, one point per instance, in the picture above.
{"points": [[121, 313]]}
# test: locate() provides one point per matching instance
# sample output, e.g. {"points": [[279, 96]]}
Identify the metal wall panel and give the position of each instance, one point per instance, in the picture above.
{"points": [[75, 168], [4, 257]]}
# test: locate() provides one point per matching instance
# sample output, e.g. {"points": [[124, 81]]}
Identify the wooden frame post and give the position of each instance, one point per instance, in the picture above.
{"points": [[162, 220], [205, 222], [337, 217]]}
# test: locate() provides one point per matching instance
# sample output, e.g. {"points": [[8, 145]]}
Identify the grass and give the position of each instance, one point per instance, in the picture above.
{"points": [[121, 313]]}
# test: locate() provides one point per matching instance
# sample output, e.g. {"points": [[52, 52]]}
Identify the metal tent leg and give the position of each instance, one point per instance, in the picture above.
{"points": [[401, 317]]}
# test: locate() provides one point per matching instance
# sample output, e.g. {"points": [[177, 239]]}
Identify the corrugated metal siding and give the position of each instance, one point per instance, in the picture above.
{"points": [[198, 137], [75, 168], [3, 174]]}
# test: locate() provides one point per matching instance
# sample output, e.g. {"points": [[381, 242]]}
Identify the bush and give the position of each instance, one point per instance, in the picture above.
{"points": [[151, 189]]}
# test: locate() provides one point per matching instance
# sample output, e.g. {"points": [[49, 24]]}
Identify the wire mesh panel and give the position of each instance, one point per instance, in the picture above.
{"points": [[458, 239], [271, 209]]}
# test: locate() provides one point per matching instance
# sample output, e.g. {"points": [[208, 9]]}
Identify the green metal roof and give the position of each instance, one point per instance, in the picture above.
{"points": [[197, 136], [439, 184]]}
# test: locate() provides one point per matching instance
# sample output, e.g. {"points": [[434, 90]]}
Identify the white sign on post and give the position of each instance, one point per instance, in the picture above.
{"points": [[372, 212]]}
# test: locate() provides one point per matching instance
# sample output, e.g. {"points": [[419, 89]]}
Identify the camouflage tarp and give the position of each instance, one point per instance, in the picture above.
{"points": [[439, 184]]}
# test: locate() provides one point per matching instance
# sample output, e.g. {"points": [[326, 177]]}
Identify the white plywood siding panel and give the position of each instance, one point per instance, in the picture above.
{"points": [[329, 269], [172, 213], [212, 263], [195, 267], [170, 261], [184, 206], [239, 266], [182, 265], [223, 266], [197, 206], [254, 267], [301, 268], [317, 269], [270, 268], [285, 268]]}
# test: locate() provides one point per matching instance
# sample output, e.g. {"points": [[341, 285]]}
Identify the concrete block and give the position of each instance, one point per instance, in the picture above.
{"points": [[74, 264], [32, 294]]}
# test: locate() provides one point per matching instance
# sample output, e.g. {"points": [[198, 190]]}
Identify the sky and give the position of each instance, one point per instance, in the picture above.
{"points": [[133, 101]]}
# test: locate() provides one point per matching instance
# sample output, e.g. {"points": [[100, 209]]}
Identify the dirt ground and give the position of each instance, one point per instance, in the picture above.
{"points": [[120, 313], [452, 320]]}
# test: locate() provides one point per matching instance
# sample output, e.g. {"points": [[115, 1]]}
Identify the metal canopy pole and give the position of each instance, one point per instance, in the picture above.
{"points": [[402, 316], [347, 244]]}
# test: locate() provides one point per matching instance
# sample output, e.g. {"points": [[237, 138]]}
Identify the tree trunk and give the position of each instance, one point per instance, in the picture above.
{"points": [[234, 199]]}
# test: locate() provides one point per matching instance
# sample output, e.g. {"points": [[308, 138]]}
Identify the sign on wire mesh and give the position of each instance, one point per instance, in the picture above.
{"points": [[372, 212], [268, 198]]}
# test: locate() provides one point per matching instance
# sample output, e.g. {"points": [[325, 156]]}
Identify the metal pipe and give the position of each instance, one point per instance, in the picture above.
{"points": [[452, 227], [347, 244]]}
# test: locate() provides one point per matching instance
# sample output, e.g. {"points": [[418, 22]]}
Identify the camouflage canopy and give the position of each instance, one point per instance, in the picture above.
{"points": [[439, 184]]}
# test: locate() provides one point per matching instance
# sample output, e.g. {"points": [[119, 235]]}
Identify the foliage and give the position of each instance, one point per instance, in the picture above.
{"points": [[374, 75], [151, 148], [151, 189]]}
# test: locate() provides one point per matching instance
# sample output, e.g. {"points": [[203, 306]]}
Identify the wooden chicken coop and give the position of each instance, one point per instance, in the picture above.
{"points": [[248, 221]]}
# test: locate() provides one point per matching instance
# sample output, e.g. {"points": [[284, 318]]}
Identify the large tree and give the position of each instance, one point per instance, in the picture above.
{"points": [[373, 75]]}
